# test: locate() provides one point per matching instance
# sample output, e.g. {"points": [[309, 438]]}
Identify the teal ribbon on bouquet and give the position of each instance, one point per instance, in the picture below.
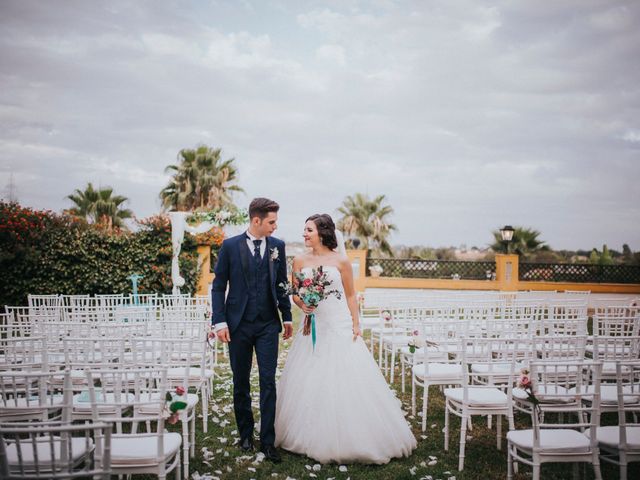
{"points": [[313, 330]]}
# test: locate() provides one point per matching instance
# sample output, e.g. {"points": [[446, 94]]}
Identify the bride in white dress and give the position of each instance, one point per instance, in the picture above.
{"points": [[333, 404]]}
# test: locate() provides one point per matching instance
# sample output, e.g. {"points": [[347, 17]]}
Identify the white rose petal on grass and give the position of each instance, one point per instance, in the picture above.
{"points": [[251, 469], [431, 457], [308, 467], [412, 470], [317, 467], [342, 468], [423, 464], [432, 463], [312, 475]]}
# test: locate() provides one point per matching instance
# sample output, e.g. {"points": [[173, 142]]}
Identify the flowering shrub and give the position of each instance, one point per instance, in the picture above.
{"points": [[42, 252]]}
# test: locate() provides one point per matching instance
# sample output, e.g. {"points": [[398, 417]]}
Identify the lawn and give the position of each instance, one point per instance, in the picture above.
{"points": [[218, 457]]}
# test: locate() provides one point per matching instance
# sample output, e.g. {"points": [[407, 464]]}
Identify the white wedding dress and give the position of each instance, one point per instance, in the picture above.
{"points": [[333, 403]]}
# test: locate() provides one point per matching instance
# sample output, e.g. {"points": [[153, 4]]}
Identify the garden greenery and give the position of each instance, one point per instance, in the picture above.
{"points": [[42, 252]]}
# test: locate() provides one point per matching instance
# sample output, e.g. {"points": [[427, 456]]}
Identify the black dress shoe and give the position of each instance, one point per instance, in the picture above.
{"points": [[270, 453], [246, 444]]}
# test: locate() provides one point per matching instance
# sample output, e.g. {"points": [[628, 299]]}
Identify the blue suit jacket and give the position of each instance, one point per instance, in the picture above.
{"points": [[231, 269]]}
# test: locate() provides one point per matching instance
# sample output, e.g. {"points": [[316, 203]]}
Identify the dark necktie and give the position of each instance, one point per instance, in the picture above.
{"points": [[256, 250]]}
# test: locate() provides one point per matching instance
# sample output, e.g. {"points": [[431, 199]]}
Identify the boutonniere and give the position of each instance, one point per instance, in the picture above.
{"points": [[274, 254]]}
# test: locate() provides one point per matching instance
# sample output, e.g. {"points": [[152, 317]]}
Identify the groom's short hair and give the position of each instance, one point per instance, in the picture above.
{"points": [[260, 207]]}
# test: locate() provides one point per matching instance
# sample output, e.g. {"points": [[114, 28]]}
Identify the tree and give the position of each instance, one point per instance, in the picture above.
{"points": [[598, 258], [525, 242], [200, 180], [367, 220], [100, 206]]}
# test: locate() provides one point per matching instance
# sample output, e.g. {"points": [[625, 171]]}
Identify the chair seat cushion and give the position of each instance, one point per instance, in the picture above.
{"points": [[610, 437], [478, 396], [388, 330], [432, 352], [439, 371], [546, 394], [32, 405], [106, 403], [553, 440], [396, 339], [609, 394], [194, 373], [142, 449], [43, 451], [495, 367]]}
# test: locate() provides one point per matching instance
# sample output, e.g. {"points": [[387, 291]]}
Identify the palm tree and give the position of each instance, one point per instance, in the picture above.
{"points": [[525, 242], [201, 180], [367, 220], [100, 206]]}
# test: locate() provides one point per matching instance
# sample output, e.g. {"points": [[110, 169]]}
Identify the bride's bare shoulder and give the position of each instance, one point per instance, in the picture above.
{"points": [[301, 259]]}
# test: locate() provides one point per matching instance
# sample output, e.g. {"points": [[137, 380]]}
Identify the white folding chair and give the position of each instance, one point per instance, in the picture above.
{"points": [[55, 451], [481, 391], [562, 441], [153, 450], [620, 444], [32, 396]]}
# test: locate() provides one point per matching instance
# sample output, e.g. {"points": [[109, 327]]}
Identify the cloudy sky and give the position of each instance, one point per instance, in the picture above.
{"points": [[466, 114]]}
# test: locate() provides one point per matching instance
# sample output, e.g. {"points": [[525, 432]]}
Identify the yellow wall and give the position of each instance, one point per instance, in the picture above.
{"points": [[506, 278]]}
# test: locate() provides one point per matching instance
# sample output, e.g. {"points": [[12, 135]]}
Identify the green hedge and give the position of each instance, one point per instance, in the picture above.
{"points": [[44, 253]]}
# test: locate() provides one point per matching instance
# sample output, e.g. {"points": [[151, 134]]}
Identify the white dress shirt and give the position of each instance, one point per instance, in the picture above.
{"points": [[263, 247], [263, 244]]}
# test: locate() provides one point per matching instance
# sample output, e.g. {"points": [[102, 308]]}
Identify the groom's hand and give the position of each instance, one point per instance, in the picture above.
{"points": [[288, 331], [223, 335]]}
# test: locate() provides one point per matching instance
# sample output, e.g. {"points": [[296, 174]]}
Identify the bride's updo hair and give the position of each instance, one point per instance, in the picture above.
{"points": [[326, 229]]}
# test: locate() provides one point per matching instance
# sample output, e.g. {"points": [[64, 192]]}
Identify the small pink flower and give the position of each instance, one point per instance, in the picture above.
{"points": [[525, 381], [416, 333], [180, 390], [306, 282], [386, 316]]}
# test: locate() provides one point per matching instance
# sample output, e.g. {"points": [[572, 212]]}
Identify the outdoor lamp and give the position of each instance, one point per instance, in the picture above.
{"points": [[506, 233]]}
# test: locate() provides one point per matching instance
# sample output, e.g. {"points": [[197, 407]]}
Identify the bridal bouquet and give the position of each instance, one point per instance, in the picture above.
{"points": [[311, 290]]}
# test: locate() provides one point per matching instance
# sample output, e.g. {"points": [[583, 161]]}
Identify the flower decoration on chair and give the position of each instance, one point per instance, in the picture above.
{"points": [[418, 340], [311, 290], [525, 383], [175, 402], [386, 315]]}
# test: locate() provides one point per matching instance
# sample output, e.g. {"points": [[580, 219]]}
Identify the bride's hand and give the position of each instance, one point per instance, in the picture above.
{"points": [[356, 332], [307, 309]]}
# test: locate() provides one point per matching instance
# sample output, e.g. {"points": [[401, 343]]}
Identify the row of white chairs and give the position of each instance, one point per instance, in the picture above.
{"points": [[39, 440], [481, 375], [182, 348]]}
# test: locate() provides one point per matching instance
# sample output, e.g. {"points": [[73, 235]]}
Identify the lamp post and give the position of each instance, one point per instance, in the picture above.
{"points": [[506, 233]]}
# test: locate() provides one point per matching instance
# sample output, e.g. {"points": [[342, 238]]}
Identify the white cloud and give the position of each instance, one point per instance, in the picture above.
{"points": [[334, 53]]}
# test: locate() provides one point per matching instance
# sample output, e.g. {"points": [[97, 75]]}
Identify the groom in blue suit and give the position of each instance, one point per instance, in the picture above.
{"points": [[252, 265]]}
